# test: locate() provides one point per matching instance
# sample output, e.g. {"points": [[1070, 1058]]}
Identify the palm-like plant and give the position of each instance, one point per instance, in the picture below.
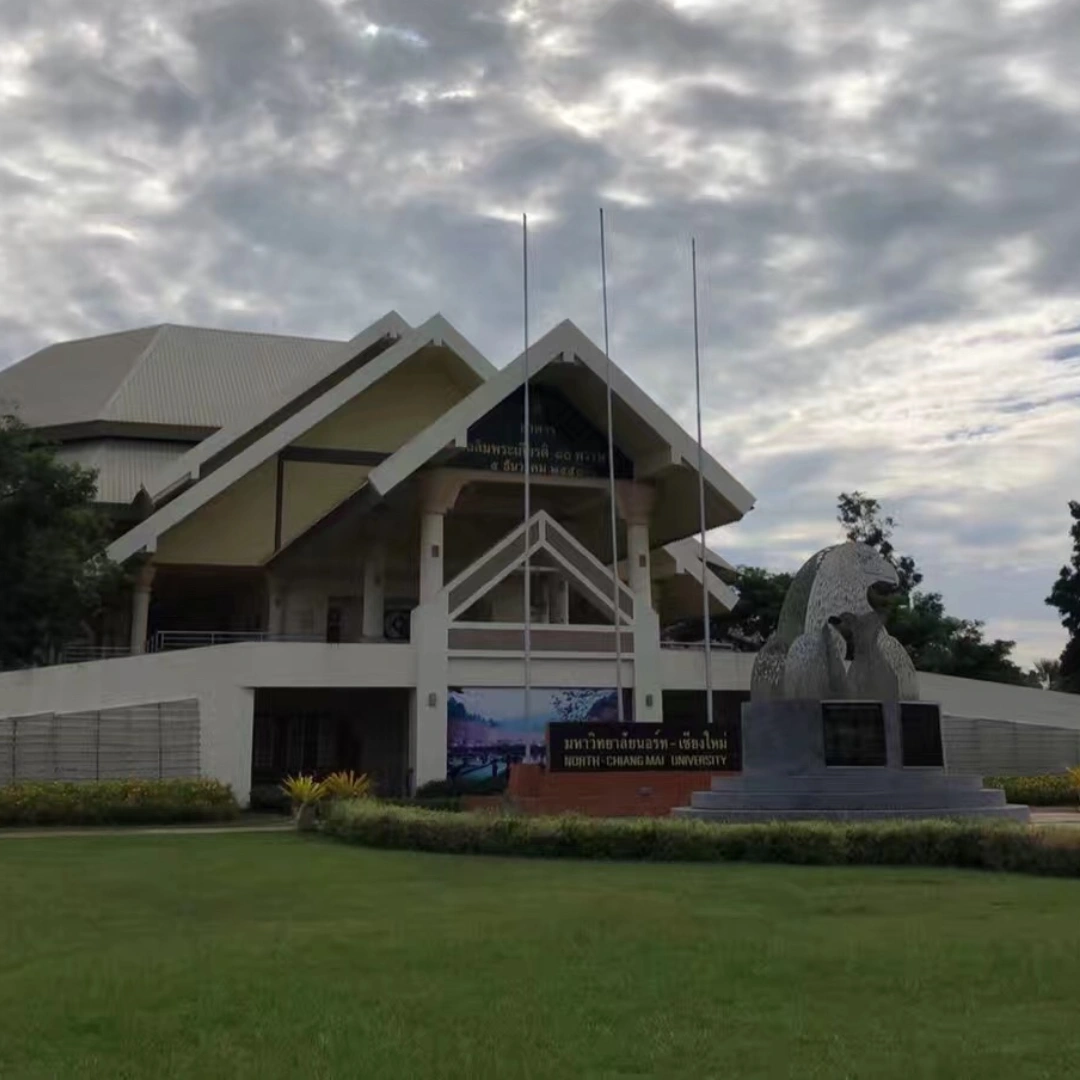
{"points": [[304, 790], [347, 785]]}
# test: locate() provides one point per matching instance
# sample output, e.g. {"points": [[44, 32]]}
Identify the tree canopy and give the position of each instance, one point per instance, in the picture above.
{"points": [[935, 640], [53, 571], [1065, 596]]}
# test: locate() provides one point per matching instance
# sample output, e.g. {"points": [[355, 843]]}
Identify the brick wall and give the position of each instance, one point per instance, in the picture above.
{"points": [[534, 790]]}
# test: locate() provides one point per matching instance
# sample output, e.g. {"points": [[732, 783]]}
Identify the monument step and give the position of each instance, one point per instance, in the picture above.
{"points": [[840, 798], [1007, 812], [854, 779]]}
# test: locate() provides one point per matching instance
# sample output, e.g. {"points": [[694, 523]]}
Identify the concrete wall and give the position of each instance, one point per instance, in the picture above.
{"points": [[223, 680]]}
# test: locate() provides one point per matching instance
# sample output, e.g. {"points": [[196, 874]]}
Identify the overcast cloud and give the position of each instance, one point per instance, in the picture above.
{"points": [[886, 198]]}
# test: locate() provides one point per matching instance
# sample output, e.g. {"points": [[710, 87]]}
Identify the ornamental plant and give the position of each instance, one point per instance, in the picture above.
{"points": [[304, 790], [348, 785]]}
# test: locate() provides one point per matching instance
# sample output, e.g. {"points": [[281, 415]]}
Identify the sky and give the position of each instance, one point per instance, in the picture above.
{"points": [[884, 195]]}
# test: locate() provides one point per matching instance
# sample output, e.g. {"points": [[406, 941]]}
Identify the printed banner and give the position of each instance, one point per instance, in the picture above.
{"points": [[634, 747], [488, 729]]}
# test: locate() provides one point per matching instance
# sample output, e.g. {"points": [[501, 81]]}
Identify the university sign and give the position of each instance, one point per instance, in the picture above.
{"points": [[576, 747], [561, 441]]}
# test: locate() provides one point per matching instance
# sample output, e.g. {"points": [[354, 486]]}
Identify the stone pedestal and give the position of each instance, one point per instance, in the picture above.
{"points": [[790, 755]]}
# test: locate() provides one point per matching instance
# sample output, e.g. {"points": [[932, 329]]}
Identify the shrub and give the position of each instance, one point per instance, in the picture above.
{"points": [[115, 802], [304, 790], [347, 785], [269, 797], [973, 844], [485, 785], [1054, 789]]}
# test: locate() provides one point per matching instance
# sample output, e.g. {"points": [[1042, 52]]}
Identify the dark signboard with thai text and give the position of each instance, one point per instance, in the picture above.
{"points": [[854, 733], [561, 441], [577, 747]]}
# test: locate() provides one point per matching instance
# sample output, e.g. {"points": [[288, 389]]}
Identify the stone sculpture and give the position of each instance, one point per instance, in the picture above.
{"points": [[826, 620]]}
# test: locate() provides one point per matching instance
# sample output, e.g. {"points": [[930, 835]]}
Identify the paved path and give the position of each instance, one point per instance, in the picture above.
{"points": [[275, 826]]}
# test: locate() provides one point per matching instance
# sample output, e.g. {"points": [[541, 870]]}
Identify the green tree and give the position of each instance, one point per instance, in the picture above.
{"points": [[935, 641], [1065, 596], [864, 523], [53, 571], [1046, 674], [753, 618]]}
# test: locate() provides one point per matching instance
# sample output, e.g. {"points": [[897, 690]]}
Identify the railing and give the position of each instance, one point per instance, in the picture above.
{"points": [[715, 646], [79, 653], [171, 640]]}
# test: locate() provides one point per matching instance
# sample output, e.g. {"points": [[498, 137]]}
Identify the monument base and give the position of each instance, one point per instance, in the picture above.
{"points": [[805, 760]]}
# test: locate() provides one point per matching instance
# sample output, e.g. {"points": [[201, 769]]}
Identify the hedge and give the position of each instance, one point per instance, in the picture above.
{"points": [[116, 802], [970, 844], [1057, 789]]}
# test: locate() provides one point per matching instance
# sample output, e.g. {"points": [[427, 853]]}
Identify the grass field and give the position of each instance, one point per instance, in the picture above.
{"points": [[276, 956]]}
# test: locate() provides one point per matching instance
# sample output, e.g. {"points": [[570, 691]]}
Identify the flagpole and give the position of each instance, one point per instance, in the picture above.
{"points": [[615, 610], [527, 463], [706, 629]]}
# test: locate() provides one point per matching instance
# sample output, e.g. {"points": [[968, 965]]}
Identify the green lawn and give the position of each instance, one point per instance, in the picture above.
{"points": [[277, 956]]}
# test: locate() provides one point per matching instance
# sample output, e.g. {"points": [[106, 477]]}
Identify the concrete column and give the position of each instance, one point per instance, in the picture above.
{"points": [[374, 591], [140, 607], [431, 555], [277, 603], [438, 492], [637, 553], [561, 604], [635, 501]]}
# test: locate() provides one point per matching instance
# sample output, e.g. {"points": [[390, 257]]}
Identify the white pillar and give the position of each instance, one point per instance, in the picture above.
{"points": [[140, 607], [374, 592], [431, 555], [637, 553], [636, 504], [561, 607], [277, 604], [429, 635]]}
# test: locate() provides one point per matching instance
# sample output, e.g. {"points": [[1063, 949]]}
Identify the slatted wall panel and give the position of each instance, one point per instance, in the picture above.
{"points": [[160, 740], [1002, 748]]}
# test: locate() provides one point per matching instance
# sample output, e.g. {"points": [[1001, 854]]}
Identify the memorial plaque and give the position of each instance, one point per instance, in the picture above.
{"points": [[578, 747], [920, 734], [854, 733]]}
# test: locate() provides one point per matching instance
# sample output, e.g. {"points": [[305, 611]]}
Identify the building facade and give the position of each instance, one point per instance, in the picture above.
{"points": [[328, 549]]}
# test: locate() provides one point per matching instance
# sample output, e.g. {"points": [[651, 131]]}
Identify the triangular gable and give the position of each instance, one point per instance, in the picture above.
{"points": [[686, 555], [564, 441], [190, 467], [545, 534], [436, 331], [564, 343]]}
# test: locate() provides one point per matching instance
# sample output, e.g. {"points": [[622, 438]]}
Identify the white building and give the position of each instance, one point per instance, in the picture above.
{"points": [[327, 537]]}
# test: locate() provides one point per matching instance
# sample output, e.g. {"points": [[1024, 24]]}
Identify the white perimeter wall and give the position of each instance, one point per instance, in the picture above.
{"points": [[223, 680]]}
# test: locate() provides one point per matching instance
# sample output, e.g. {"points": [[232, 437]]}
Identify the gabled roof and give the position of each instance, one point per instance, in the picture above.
{"points": [[435, 331], [122, 465], [661, 443], [246, 418], [686, 555], [174, 376]]}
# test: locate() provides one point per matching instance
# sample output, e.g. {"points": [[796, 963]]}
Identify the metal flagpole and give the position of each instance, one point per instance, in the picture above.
{"points": [[611, 483], [706, 629], [527, 465]]}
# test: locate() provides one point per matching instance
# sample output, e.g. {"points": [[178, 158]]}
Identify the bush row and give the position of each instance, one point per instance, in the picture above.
{"points": [[116, 802], [895, 843], [1057, 789]]}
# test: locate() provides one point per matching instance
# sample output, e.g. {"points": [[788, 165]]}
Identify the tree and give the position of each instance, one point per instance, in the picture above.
{"points": [[935, 641], [753, 618], [1065, 596], [1046, 674], [864, 523], [53, 571]]}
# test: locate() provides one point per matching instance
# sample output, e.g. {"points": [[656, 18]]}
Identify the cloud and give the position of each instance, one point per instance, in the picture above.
{"points": [[883, 195]]}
